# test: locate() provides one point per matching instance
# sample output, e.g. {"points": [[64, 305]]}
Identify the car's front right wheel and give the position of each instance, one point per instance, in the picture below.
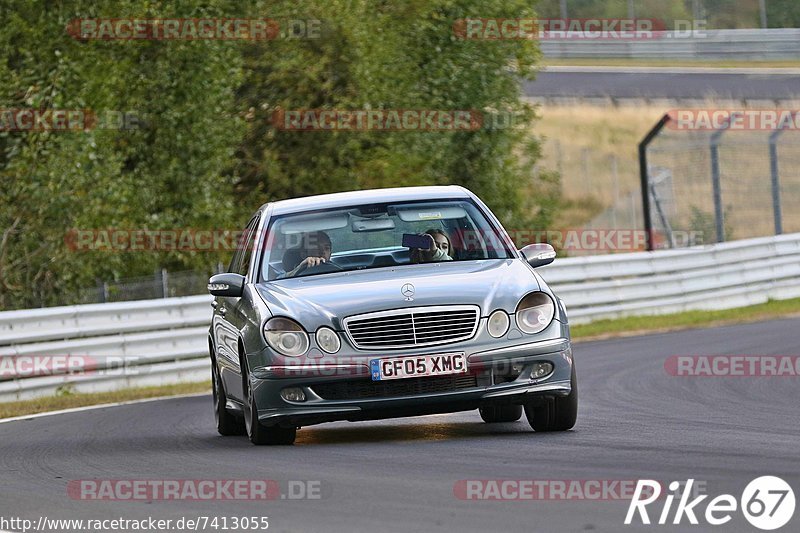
{"points": [[256, 431], [227, 424], [554, 414]]}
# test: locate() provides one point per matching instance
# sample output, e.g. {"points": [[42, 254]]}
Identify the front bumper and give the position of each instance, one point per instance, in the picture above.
{"points": [[495, 382]]}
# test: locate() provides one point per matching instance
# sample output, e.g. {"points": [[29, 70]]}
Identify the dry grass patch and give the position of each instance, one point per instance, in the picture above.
{"points": [[72, 400]]}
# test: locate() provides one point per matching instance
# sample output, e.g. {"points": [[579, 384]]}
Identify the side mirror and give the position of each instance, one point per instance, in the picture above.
{"points": [[226, 284], [539, 254]]}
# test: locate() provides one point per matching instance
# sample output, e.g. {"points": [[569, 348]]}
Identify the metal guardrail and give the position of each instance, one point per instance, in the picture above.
{"points": [[720, 276], [158, 342], [766, 44], [103, 347]]}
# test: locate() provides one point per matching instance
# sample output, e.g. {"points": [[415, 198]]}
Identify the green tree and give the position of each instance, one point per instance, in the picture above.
{"points": [[382, 55], [165, 173], [204, 153]]}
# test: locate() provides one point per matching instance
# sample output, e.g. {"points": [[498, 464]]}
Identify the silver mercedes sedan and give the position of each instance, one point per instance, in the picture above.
{"points": [[385, 303]]}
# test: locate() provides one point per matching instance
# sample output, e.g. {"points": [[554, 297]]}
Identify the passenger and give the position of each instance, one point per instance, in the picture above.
{"points": [[314, 250], [439, 250]]}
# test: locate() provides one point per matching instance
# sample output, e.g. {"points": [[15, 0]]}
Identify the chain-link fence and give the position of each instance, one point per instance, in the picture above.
{"points": [[162, 284], [715, 184]]}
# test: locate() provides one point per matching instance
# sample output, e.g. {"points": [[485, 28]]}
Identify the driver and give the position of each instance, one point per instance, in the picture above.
{"points": [[316, 247]]}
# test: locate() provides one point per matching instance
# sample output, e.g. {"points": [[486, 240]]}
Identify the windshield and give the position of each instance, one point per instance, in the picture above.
{"points": [[378, 236]]}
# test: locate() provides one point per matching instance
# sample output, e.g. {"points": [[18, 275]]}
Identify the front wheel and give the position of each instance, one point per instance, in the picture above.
{"points": [[554, 414], [227, 424], [256, 431]]}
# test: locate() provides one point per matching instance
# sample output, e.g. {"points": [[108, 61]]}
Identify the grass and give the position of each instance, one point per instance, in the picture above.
{"points": [[622, 62], [77, 399], [596, 330], [687, 320], [594, 148]]}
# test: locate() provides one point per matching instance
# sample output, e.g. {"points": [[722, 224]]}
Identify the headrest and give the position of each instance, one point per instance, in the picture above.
{"points": [[292, 257]]}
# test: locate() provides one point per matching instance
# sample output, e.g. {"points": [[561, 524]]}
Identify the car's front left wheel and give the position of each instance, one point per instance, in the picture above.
{"points": [[554, 414]]}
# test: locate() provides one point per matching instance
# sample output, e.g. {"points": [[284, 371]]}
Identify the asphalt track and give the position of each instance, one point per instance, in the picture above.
{"points": [[593, 82], [636, 421]]}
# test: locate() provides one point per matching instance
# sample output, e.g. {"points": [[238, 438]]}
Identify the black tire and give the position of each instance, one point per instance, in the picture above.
{"points": [[492, 414], [256, 431], [554, 414], [227, 424]]}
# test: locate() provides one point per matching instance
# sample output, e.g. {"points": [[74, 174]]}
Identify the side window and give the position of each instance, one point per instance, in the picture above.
{"points": [[247, 252], [244, 250]]}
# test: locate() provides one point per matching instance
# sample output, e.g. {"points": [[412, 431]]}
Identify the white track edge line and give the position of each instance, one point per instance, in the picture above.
{"points": [[98, 406]]}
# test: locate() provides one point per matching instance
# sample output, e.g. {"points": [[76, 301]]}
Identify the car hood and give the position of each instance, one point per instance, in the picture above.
{"points": [[325, 299]]}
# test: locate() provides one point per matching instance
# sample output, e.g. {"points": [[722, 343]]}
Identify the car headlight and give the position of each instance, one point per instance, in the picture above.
{"points": [[535, 312], [498, 323], [328, 340], [286, 337]]}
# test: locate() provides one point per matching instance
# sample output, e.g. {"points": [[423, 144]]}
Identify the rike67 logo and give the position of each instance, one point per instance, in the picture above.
{"points": [[767, 503]]}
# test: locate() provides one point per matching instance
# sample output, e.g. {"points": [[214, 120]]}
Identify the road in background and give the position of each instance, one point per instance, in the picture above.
{"points": [[636, 421], [672, 83]]}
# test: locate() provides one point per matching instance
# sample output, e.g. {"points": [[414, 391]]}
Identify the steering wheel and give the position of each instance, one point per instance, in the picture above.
{"points": [[322, 268]]}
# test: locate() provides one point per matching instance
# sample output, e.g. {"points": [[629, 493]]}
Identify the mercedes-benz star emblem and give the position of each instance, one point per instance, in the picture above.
{"points": [[407, 291]]}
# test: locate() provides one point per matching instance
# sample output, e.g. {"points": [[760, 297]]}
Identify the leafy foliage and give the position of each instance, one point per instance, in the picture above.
{"points": [[204, 153]]}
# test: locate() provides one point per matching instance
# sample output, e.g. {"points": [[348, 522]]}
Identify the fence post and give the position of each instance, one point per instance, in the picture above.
{"points": [[719, 215], [615, 173], [776, 182], [716, 187], [645, 179]]}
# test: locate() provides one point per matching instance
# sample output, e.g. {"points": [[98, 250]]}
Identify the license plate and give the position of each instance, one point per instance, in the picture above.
{"points": [[416, 366]]}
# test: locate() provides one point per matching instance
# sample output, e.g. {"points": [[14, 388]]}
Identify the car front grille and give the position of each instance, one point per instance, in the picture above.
{"points": [[415, 326], [364, 388]]}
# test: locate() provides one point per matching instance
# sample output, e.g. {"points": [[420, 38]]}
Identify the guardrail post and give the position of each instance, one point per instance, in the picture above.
{"points": [[164, 283]]}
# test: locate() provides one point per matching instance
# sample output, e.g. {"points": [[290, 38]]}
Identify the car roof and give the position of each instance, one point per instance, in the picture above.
{"points": [[343, 199]]}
